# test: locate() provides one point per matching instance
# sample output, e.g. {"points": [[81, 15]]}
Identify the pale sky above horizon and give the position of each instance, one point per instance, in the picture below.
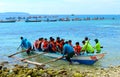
{"points": [[61, 6]]}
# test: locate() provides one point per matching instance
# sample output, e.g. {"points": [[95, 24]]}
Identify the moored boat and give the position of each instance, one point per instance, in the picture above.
{"points": [[88, 59], [7, 21]]}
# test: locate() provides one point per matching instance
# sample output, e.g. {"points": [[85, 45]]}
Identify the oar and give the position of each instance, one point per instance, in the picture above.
{"points": [[17, 53], [33, 56], [53, 60], [87, 44]]}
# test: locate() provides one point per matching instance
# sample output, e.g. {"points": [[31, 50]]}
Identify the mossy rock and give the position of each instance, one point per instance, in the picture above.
{"points": [[62, 71], [41, 71], [77, 75], [4, 74], [34, 70], [29, 72], [15, 70], [0, 71], [50, 72], [7, 70], [19, 75], [29, 76]]}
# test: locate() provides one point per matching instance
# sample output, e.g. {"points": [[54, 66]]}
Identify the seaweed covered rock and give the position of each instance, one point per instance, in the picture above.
{"points": [[21, 71], [77, 75]]}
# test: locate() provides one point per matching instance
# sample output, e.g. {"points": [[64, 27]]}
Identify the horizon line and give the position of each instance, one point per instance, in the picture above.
{"points": [[56, 13]]}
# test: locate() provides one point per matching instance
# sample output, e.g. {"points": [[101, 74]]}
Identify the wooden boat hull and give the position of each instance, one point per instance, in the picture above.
{"points": [[88, 59]]}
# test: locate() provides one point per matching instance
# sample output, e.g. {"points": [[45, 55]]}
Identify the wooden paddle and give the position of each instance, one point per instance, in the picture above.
{"points": [[53, 60], [17, 53], [34, 56], [87, 44]]}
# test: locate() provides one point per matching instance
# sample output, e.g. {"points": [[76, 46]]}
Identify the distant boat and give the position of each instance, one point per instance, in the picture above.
{"points": [[7, 21], [33, 21]]}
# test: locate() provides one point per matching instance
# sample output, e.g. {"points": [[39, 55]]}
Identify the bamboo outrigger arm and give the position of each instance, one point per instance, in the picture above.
{"points": [[17, 53], [37, 63], [28, 61]]}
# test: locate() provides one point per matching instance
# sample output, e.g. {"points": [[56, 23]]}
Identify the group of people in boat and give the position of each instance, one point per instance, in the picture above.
{"points": [[60, 45]]}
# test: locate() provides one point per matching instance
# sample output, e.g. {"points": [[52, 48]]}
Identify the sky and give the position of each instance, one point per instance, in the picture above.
{"points": [[61, 6]]}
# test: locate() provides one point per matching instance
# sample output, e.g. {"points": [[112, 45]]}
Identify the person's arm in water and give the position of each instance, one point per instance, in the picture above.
{"points": [[20, 44]]}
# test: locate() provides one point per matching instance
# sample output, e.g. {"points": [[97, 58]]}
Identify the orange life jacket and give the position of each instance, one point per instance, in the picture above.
{"points": [[61, 45], [45, 44], [77, 49], [53, 46]]}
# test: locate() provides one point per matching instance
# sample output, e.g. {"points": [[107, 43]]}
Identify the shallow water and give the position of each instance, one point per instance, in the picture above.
{"points": [[107, 31]]}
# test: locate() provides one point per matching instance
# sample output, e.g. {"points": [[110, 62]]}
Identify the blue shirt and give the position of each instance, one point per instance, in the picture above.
{"points": [[23, 43], [67, 49], [29, 44]]}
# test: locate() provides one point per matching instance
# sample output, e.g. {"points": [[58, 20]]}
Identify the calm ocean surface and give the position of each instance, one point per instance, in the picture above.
{"points": [[107, 31]]}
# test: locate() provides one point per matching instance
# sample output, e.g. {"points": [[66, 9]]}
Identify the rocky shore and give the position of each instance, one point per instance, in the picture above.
{"points": [[61, 71]]}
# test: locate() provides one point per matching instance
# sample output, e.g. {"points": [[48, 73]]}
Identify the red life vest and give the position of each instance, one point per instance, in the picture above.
{"points": [[45, 44], [77, 49], [53, 46]]}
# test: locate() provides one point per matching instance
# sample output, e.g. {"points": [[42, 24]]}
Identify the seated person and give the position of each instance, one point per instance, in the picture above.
{"points": [[97, 46], [77, 48]]}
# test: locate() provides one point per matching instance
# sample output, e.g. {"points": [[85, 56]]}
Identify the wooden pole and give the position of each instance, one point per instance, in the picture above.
{"points": [[34, 56], [27, 61], [36, 63], [17, 53], [53, 60]]}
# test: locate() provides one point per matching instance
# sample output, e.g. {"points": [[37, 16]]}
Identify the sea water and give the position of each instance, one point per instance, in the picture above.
{"points": [[107, 31]]}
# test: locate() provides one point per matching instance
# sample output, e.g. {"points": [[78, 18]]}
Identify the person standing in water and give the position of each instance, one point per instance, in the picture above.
{"points": [[25, 45], [68, 52], [29, 47]]}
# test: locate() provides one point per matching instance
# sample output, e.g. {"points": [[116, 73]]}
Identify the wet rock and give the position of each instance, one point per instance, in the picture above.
{"points": [[0, 67], [102, 68], [4, 68]]}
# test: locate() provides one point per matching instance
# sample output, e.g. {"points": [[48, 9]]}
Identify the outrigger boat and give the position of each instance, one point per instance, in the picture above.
{"points": [[88, 59]]}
